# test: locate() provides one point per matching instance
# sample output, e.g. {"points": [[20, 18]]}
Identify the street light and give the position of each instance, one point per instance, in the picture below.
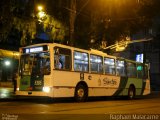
{"points": [[7, 63], [40, 8], [41, 14]]}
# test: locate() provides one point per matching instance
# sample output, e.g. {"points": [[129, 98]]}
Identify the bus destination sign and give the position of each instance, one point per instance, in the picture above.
{"points": [[35, 49]]}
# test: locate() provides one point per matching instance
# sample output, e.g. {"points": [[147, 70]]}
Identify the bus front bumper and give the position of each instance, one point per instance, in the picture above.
{"points": [[33, 93]]}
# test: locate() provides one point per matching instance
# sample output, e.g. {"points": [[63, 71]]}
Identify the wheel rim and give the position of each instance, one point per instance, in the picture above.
{"points": [[80, 93], [131, 94]]}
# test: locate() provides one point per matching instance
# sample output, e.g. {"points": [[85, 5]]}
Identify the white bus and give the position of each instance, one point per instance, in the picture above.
{"points": [[56, 70]]}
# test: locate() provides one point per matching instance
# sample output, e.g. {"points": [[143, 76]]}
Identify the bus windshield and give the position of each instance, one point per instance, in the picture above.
{"points": [[35, 64]]}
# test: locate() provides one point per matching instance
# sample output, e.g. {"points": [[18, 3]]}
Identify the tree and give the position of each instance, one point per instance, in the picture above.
{"points": [[19, 22], [16, 22], [114, 20], [92, 22]]}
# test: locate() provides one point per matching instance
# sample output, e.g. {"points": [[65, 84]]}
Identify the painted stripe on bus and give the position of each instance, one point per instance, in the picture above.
{"points": [[143, 87], [122, 85]]}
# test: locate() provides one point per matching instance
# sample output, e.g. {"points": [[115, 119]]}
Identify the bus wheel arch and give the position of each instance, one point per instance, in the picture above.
{"points": [[131, 91], [81, 92]]}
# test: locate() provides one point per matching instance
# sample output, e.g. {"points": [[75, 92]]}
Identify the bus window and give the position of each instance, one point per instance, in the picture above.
{"points": [[131, 69], [146, 71], [35, 64], [41, 64], [96, 64], [26, 64], [80, 61], [46, 65], [109, 66], [62, 58], [140, 71], [120, 67]]}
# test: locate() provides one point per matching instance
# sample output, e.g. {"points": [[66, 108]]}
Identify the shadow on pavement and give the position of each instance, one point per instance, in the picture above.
{"points": [[45, 100]]}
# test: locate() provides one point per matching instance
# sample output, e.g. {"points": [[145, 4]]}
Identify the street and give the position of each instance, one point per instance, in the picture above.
{"points": [[80, 60], [100, 108]]}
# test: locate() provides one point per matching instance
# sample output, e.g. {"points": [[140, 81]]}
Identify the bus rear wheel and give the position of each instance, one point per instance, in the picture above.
{"points": [[131, 92], [81, 93]]}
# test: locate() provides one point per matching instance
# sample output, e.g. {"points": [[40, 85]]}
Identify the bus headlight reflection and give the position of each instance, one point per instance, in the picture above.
{"points": [[46, 89]]}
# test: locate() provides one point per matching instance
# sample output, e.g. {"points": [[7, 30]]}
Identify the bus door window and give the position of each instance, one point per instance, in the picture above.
{"points": [[26, 65], [46, 66], [41, 64], [47, 62], [35, 65], [62, 58]]}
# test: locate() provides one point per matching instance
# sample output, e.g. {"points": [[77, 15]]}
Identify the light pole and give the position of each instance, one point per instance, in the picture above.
{"points": [[40, 8]]}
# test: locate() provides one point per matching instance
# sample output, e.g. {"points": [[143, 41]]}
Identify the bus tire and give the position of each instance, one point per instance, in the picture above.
{"points": [[81, 93], [131, 92]]}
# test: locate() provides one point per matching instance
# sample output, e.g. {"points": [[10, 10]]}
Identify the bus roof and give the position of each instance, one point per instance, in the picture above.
{"points": [[91, 51]]}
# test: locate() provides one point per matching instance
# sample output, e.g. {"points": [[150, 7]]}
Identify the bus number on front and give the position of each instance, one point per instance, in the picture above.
{"points": [[38, 82]]}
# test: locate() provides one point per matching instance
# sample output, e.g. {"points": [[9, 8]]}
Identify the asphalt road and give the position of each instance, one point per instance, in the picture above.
{"points": [[95, 109]]}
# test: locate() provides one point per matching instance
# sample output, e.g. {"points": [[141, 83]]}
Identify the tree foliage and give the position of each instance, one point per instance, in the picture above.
{"points": [[114, 20], [96, 21], [19, 23], [16, 22]]}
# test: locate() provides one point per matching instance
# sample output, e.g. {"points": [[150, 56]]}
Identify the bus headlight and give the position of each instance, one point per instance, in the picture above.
{"points": [[46, 89]]}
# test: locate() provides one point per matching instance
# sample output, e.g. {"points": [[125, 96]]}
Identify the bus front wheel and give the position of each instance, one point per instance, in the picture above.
{"points": [[131, 92], [81, 93]]}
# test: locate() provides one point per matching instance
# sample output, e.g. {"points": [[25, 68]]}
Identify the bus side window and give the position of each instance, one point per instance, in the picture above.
{"points": [[96, 63], [62, 58], [56, 62], [109, 66], [140, 70], [120, 67], [131, 69], [80, 61]]}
